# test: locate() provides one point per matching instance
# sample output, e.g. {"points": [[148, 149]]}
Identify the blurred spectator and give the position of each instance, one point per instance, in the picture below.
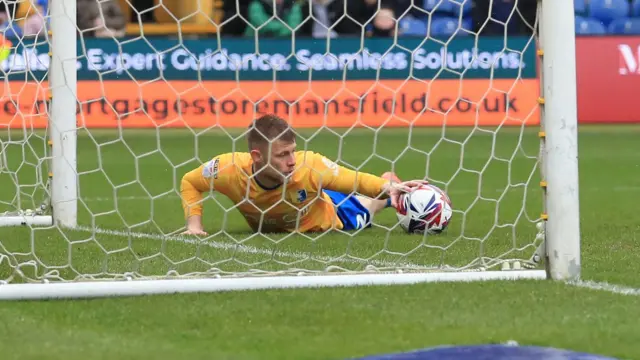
{"points": [[10, 6], [323, 20], [234, 17], [35, 22], [516, 16], [143, 10], [262, 12], [405, 7], [384, 24], [392, 11], [326, 14], [100, 19], [8, 27]]}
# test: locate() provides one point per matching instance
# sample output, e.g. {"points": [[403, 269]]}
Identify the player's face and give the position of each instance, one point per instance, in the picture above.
{"points": [[282, 159]]}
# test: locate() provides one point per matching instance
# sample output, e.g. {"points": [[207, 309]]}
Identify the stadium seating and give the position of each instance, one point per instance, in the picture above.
{"points": [[10, 31], [589, 26], [449, 7], [439, 6], [467, 23], [410, 26], [608, 10], [601, 17], [593, 17], [635, 7], [444, 26], [445, 19], [580, 7], [630, 26]]}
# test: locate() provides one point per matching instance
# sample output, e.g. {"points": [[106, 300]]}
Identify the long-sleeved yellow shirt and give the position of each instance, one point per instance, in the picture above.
{"points": [[299, 199]]}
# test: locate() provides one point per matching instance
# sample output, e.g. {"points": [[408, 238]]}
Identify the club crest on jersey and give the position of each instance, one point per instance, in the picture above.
{"points": [[211, 169], [302, 195]]}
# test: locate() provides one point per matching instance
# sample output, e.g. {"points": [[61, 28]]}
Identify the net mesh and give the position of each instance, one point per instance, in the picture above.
{"points": [[425, 97]]}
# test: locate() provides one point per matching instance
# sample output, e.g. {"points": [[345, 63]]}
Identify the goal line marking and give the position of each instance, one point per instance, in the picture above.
{"points": [[452, 192], [604, 286], [248, 249], [585, 284]]}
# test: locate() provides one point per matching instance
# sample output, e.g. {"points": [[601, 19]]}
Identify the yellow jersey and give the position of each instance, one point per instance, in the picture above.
{"points": [[297, 204]]}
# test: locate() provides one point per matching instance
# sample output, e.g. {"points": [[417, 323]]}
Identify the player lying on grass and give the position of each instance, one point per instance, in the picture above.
{"points": [[296, 190]]}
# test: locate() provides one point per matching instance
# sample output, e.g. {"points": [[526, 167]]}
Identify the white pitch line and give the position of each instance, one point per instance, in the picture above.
{"points": [[604, 286], [248, 249], [586, 284]]}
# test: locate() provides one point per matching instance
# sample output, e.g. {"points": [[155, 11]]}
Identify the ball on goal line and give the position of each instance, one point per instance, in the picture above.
{"points": [[425, 209]]}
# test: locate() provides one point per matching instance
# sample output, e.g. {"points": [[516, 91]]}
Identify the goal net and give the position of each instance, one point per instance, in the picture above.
{"points": [[97, 133]]}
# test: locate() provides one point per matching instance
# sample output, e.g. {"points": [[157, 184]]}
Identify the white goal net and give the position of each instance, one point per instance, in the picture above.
{"points": [[97, 134]]}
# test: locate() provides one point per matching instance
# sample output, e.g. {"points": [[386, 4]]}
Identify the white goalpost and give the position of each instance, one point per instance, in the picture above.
{"points": [[91, 212], [560, 154]]}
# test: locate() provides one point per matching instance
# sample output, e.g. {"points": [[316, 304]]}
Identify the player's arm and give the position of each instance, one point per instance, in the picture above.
{"points": [[332, 176], [194, 184]]}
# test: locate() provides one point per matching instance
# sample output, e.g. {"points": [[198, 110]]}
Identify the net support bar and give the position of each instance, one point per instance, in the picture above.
{"points": [[38, 220], [154, 287], [62, 122], [561, 138]]}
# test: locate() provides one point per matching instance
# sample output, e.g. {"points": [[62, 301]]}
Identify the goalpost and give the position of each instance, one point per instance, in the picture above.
{"points": [[62, 176]]}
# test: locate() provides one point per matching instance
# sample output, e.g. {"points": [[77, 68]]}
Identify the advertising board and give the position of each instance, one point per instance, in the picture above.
{"points": [[202, 83], [608, 79], [320, 103]]}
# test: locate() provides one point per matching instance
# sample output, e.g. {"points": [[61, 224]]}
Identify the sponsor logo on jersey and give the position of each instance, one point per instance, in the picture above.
{"points": [[331, 165], [302, 195], [211, 169], [361, 221]]}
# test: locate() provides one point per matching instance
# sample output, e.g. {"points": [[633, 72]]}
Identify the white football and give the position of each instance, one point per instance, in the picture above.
{"points": [[424, 209]]}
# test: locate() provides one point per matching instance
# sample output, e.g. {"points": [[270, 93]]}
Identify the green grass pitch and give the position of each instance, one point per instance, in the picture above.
{"points": [[128, 186]]}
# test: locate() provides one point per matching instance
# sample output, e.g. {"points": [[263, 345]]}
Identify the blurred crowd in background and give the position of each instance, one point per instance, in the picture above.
{"points": [[378, 17], [600, 17], [320, 18]]}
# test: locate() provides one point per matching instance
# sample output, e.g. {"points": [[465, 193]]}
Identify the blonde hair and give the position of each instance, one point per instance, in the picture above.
{"points": [[268, 128]]}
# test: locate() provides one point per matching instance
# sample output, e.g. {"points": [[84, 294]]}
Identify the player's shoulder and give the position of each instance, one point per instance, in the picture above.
{"points": [[309, 156], [316, 161], [306, 156], [226, 164], [239, 158]]}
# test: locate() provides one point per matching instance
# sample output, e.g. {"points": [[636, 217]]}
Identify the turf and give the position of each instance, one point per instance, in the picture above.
{"points": [[129, 182]]}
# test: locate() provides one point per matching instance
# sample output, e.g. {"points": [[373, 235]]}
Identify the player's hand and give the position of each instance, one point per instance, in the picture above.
{"points": [[195, 232], [194, 226], [395, 190]]}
